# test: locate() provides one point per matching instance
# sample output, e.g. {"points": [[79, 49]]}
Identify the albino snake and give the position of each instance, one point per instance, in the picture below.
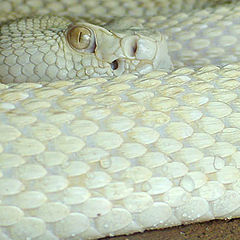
{"points": [[101, 133]]}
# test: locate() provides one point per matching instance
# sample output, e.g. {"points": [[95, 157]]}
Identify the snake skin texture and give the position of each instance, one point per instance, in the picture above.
{"points": [[117, 153]]}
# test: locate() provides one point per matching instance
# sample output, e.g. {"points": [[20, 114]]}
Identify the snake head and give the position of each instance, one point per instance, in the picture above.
{"points": [[120, 50], [49, 48]]}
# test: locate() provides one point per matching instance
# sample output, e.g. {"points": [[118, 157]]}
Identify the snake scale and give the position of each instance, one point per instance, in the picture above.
{"points": [[112, 125]]}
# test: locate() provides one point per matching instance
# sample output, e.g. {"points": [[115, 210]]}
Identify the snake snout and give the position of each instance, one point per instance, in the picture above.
{"points": [[149, 51], [141, 54]]}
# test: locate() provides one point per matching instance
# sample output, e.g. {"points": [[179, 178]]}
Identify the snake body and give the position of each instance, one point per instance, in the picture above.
{"points": [[104, 130]]}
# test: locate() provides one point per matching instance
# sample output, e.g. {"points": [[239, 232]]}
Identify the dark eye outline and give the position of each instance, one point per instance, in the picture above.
{"points": [[77, 34]]}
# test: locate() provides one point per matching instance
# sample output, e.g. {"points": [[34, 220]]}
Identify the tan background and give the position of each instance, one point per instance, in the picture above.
{"points": [[213, 230]]}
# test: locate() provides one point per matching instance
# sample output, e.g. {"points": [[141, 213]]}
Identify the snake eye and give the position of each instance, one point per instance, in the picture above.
{"points": [[81, 38]]}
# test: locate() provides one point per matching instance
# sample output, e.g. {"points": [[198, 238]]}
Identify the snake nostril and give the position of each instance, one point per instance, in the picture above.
{"points": [[130, 46], [134, 48], [114, 65]]}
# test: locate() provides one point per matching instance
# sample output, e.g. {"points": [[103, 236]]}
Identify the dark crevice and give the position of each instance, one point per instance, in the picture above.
{"points": [[134, 48], [114, 65]]}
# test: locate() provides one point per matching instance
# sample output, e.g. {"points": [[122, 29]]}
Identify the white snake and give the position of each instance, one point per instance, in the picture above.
{"points": [[100, 134]]}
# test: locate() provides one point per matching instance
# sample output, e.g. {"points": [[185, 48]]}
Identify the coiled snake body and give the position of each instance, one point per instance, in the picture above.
{"points": [[112, 125]]}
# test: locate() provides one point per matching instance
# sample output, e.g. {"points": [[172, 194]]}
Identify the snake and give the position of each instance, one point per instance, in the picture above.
{"points": [[117, 116]]}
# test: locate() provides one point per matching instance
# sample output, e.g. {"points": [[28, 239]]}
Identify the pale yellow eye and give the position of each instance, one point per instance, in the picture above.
{"points": [[79, 37]]}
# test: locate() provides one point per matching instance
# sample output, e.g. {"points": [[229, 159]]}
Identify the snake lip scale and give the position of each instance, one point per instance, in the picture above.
{"points": [[111, 125]]}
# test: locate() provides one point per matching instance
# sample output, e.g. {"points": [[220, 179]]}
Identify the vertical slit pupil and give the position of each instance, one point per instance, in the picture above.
{"points": [[80, 37]]}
